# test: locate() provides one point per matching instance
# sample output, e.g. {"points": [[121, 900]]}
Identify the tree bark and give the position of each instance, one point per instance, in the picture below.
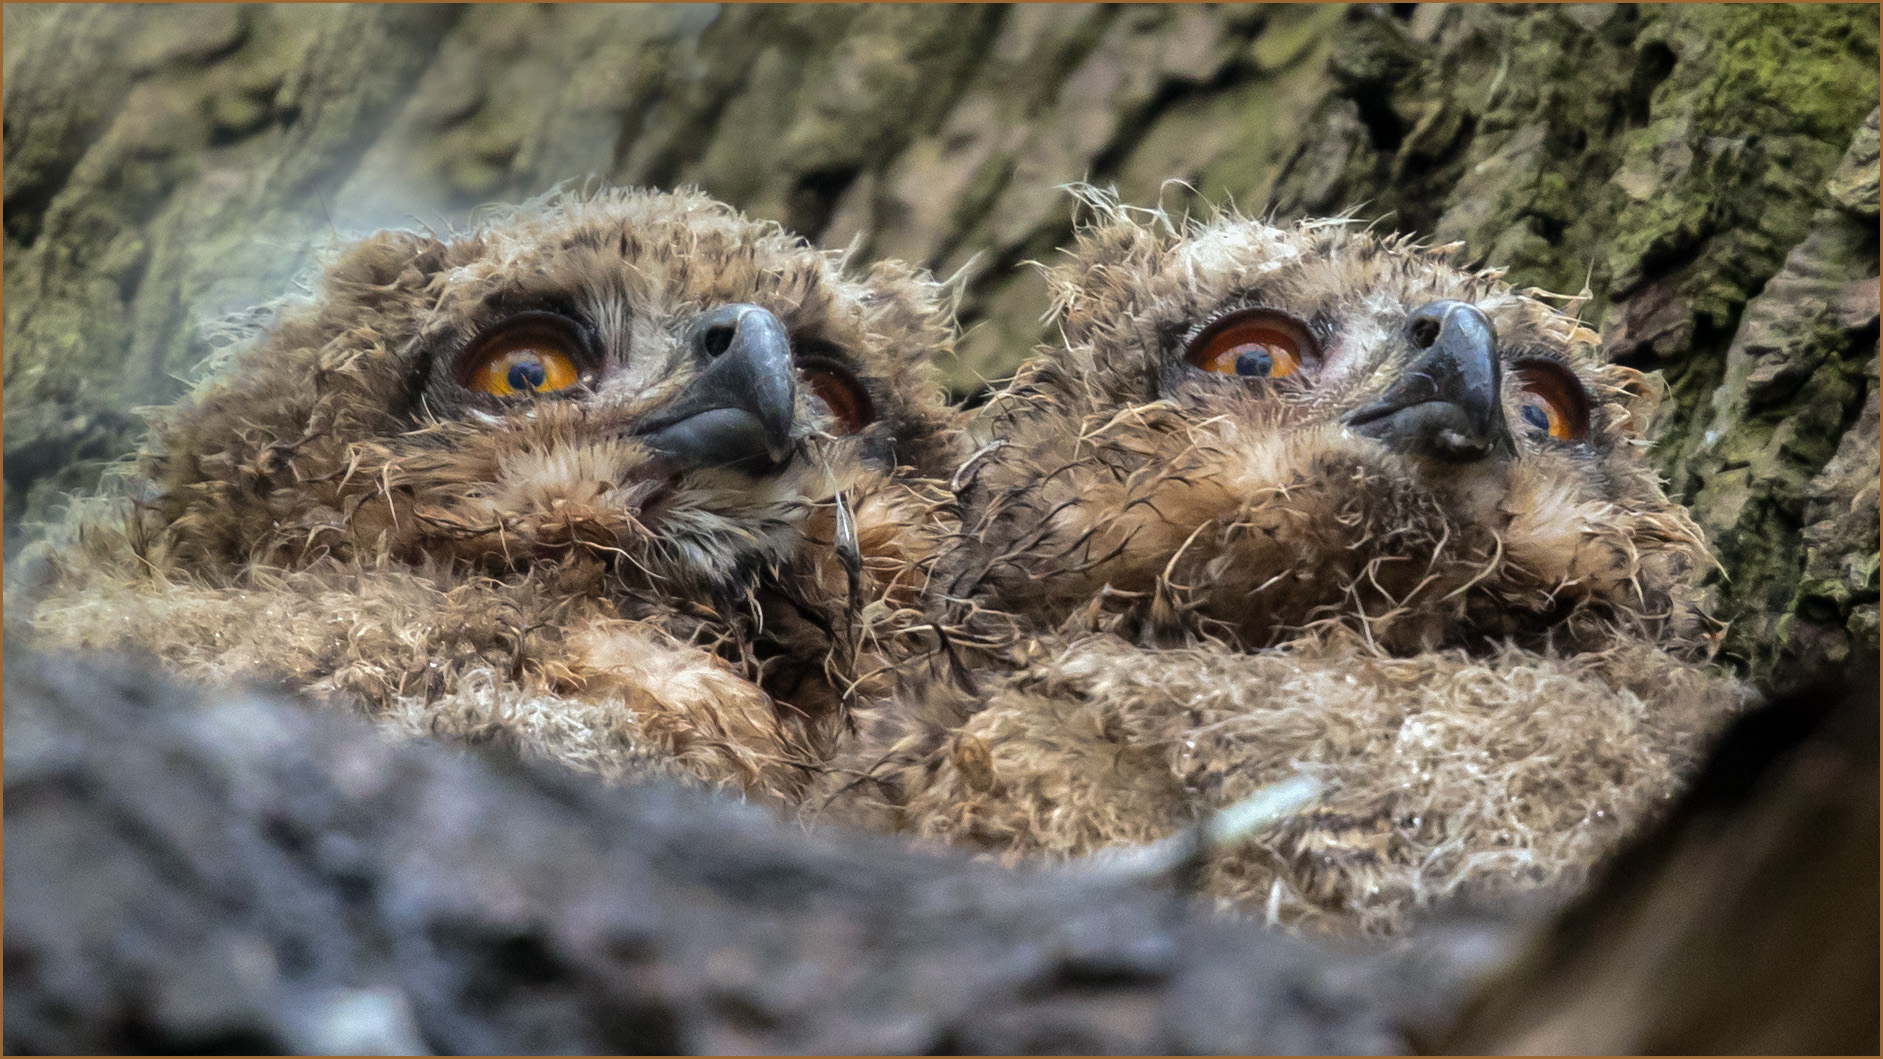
{"points": [[1705, 171], [216, 873], [194, 872]]}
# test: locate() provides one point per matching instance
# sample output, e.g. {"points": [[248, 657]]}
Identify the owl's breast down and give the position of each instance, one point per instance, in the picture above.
{"points": [[1164, 525]]}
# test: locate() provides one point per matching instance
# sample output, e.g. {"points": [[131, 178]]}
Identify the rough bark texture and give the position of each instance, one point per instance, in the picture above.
{"points": [[188, 874], [165, 166]]}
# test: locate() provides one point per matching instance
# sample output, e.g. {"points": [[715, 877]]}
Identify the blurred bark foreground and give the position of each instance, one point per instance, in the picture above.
{"points": [[1706, 170], [191, 873]]}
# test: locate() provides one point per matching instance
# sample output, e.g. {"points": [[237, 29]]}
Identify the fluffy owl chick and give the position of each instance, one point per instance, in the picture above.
{"points": [[1251, 429], [614, 475], [1302, 499]]}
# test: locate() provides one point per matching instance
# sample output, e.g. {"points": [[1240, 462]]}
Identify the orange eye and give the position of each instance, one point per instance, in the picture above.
{"points": [[529, 354], [841, 393], [1553, 401], [1255, 344]]}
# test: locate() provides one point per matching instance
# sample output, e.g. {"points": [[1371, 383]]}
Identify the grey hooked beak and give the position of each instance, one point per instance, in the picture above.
{"points": [[1448, 402], [741, 409]]}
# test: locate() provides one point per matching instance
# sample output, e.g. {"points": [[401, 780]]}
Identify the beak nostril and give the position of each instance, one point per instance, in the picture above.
{"points": [[1446, 401], [716, 340], [741, 406]]}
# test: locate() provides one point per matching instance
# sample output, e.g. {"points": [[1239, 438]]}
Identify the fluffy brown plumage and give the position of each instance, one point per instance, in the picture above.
{"points": [[1305, 499], [625, 477], [1190, 502]]}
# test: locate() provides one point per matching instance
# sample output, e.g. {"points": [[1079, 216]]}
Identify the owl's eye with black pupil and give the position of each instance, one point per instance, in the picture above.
{"points": [[840, 392], [1255, 362], [1254, 344], [1554, 402], [528, 354], [528, 375]]}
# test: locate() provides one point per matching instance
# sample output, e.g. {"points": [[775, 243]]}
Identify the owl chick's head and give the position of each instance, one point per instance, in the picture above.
{"points": [[642, 377], [1251, 428]]}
